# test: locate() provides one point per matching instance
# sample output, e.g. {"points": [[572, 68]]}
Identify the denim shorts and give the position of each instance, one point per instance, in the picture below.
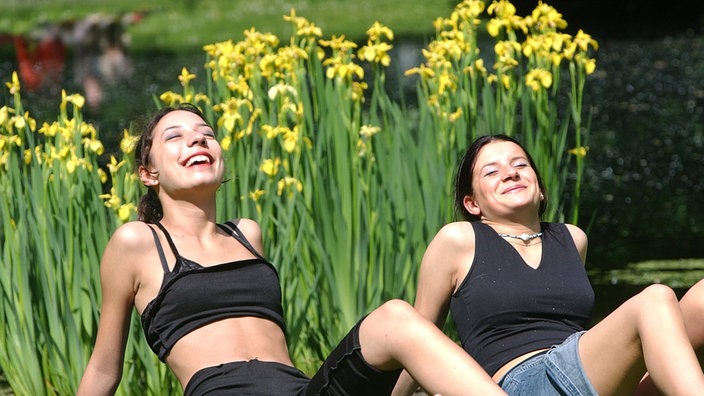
{"points": [[558, 371]]}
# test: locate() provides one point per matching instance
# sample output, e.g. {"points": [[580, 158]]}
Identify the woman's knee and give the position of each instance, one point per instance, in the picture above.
{"points": [[657, 295], [660, 292], [397, 314], [394, 323], [395, 310]]}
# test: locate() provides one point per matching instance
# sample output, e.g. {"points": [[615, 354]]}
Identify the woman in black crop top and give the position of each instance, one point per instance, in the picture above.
{"points": [[210, 303], [521, 300]]}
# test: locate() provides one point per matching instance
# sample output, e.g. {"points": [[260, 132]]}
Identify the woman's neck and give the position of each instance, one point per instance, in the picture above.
{"points": [[186, 218], [514, 228]]}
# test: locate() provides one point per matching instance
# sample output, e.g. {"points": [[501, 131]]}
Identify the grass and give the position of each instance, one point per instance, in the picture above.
{"points": [[208, 21]]}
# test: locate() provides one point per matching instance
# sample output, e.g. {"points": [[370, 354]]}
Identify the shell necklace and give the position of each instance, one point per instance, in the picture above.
{"points": [[524, 237]]}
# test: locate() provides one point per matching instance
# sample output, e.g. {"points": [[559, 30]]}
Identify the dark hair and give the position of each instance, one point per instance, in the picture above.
{"points": [[150, 210], [465, 173]]}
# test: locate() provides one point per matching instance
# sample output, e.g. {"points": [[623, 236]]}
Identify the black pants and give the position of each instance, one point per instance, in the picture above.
{"points": [[344, 372]]}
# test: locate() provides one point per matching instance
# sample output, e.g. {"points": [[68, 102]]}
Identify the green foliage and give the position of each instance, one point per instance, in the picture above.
{"points": [[677, 274], [185, 25], [54, 229], [347, 184]]}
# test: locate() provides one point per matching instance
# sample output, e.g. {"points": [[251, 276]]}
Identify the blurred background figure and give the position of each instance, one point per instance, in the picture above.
{"points": [[100, 53], [41, 56], [99, 43]]}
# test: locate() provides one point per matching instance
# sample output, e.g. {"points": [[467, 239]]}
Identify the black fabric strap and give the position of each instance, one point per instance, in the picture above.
{"points": [[236, 233], [177, 266], [162, 257]]}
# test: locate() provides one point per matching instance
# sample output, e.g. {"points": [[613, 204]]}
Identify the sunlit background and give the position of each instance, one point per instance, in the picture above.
{"points": [[644, 190]]}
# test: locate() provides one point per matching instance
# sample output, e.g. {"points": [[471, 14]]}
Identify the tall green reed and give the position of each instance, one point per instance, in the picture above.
{"points": [[319, 168], [523, 96], [54, 229], [348, 184]]}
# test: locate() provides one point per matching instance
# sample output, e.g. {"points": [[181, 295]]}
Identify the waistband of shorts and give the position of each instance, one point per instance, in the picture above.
{"points": [[521, 363], [203, 373]]}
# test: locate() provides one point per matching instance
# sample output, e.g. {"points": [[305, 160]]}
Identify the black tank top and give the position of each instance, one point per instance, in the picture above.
{"points": [[504, 308], [192, 296]]}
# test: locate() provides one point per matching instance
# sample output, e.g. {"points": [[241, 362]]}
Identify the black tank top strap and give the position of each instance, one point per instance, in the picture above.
{"points": [[232, 229], [159, 249], [177, 266]]}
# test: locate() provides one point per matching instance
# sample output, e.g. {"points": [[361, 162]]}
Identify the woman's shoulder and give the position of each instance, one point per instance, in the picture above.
{"points": [[247, 226], [449, 256], [577, 233], [125, 254], [243, 222], [130, 241], [132, 234], [251, 230], [579, 237], [457, 230], [458, 235]]}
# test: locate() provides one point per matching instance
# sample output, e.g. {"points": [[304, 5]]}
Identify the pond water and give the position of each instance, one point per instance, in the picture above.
{"points": [[643, 195]]}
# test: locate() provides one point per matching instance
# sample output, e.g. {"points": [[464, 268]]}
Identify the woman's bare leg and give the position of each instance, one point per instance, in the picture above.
{"points": [[692, 306], [646, 331], [395, 336]]}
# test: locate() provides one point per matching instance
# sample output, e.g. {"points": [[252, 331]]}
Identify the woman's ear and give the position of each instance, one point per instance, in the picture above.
{"points": [[148, 177], [471, 205]]}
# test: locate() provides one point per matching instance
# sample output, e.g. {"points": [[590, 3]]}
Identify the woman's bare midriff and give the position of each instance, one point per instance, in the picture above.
{"points": [[228, 340], [511, 364]]}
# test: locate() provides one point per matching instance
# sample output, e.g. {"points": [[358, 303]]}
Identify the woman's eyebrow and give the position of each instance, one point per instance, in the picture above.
{"points": [[488, 164], [492, 163], [179, 126], [168, 128]]}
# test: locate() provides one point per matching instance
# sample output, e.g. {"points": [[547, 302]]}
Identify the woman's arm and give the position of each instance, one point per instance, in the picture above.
{"points": [[445, 263], [580, 240], [104, 370]]}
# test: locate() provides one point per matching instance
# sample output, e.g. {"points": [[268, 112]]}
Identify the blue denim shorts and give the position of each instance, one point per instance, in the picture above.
{"points": [[558, 371]]}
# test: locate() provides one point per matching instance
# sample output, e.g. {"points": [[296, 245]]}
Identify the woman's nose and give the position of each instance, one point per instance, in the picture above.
{"points": [[198, 139], [511, 173]]}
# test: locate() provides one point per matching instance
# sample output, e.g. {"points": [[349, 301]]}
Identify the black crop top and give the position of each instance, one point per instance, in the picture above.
{"points": [[504, 308], [192, 296]]}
